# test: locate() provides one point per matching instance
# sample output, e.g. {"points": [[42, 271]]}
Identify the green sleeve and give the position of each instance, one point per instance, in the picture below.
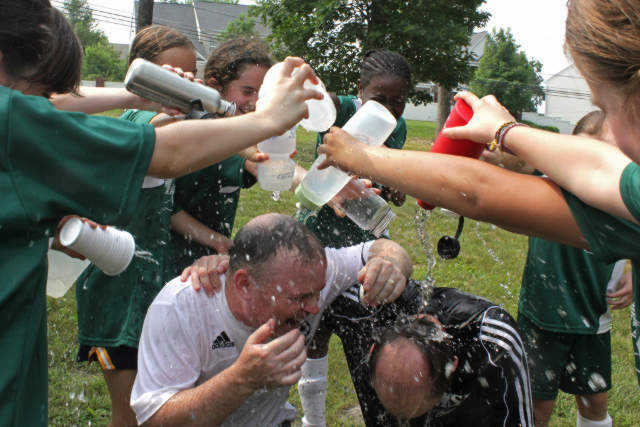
{"points": [[71, 163], [630, 189]]}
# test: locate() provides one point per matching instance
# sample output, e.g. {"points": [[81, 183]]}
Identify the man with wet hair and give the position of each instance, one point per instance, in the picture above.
{"points": [[459, 362], [229, 359]]}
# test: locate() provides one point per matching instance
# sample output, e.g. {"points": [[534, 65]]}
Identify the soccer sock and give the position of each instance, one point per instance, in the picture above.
{"points": [[585, 422], [312, 388]]}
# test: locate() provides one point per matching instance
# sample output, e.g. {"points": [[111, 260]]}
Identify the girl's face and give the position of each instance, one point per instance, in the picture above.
{"points": [[178, 57], [623, 126], [389, 90], [244, 90]]}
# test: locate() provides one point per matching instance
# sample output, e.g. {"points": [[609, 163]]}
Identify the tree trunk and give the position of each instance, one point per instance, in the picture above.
{"points": [[145, 14], [444, 107]]}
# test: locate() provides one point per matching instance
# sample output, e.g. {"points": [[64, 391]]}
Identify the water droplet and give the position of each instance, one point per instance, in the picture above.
{"points": [[275, 196]]}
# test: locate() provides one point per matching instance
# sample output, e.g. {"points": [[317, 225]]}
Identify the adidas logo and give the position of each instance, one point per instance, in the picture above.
{"points": [[222, 341]]}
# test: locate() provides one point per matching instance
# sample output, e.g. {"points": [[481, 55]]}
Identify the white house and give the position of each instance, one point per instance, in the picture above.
{"points": [[567, 95]]}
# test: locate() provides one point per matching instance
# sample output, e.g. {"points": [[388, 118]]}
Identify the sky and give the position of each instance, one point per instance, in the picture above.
{"points": [[537, 26]]}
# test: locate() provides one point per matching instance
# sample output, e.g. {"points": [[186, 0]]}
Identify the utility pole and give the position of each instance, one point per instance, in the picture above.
{"points": [[145, 14]]}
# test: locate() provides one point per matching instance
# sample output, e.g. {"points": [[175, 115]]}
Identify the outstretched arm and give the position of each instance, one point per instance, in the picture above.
{"points": [[589, 169], [519, 203]]}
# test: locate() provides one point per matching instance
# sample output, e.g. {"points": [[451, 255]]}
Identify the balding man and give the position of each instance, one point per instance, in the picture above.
{"points": [[229, 359], [459, 362]]}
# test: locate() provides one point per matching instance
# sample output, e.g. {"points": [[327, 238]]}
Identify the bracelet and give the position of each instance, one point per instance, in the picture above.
{"points": [[498, 140]]}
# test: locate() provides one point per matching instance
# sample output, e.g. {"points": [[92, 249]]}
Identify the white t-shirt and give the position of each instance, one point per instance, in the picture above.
{"points": [[189, 337]]}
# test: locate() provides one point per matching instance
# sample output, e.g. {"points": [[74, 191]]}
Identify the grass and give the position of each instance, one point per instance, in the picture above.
{"points": [[490, 264]]}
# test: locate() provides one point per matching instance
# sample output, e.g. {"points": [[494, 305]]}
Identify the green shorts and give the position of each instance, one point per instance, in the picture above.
{"points": [[577, 364]]}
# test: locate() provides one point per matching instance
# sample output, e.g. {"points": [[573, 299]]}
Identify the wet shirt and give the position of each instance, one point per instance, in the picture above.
{"points": [[198, 337], [52, 163], [339, 232], [210, 196], [490, 386], [124, 299], [564, 289], [611, 238]]}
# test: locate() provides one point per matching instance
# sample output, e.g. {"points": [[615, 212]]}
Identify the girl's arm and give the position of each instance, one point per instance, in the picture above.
{"points": [[186, 146], [185, 224], [519, 203], [589, 169], [92, 100]]}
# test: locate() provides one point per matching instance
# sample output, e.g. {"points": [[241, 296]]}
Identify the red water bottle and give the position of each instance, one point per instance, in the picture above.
{"points": [[459, 116]]}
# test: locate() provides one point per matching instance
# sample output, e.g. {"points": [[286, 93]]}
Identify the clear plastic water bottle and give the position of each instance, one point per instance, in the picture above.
{"points": [[276, 174], [372, 124]]}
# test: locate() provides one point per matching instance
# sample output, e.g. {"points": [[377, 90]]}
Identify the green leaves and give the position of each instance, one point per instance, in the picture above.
{"points": [[505, 72], [332, 35]]}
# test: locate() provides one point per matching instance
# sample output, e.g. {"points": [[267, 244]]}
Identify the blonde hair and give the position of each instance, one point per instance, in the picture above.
{"points": [[603, 38]]}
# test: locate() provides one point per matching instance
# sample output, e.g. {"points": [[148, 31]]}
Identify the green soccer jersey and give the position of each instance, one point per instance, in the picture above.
{"points": [[611, 238], [338, 232], [210, 196], [564, 289], [124, 299], [52, 163]]}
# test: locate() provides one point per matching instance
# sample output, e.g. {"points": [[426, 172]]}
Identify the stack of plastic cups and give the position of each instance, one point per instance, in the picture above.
{"points": [[459, 116], [110, 249], [372, 124], [276, 174]]}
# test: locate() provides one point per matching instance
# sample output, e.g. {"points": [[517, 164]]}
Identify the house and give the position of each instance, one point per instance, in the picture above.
{"points": [[429, 112], [201, 21], [567, 95]]}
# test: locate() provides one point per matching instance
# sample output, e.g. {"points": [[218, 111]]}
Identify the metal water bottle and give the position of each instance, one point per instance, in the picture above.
{"points": [[165, 87]]}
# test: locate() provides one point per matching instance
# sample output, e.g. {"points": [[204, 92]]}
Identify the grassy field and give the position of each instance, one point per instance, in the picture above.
{"points": [[490, 264]]}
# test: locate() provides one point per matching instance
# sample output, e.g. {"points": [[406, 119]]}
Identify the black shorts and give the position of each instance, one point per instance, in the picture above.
{"points": [[110, 358]]}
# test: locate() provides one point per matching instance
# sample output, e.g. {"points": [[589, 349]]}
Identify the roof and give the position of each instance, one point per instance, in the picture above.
{"points": [[476, 46], [202, 21]]}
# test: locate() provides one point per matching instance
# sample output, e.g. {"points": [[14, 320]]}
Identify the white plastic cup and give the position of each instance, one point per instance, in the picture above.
{"points": [[322, 112], [371, 124], [110, 249], [280, 144], [276, 174]]}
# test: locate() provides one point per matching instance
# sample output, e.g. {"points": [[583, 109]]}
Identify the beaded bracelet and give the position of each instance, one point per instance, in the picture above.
{"points": [[498, 140]]}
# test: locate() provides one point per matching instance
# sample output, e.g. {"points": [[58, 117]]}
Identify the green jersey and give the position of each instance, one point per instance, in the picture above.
{"points": [[338, 232], [124, 299], [611, 238], [564, 289], [210, 196], [52, 163]]}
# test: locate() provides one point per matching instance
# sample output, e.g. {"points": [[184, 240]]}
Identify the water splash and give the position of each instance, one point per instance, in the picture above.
{"points": [[145, 256], [275, 196]]}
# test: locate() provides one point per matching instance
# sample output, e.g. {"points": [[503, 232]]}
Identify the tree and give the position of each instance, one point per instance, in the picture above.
{"points": [[80, 17], [241, 26], [102, 61], [332, 35], [505, 72], [100, 58]]}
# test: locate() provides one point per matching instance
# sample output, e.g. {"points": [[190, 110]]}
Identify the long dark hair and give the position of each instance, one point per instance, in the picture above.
{"points": [[39, 46]]}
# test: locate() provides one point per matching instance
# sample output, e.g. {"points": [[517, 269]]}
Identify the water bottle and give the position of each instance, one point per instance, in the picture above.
{"points": [[459, 116], [322, 112], [372, 124], [276, 174], [165, 87]]}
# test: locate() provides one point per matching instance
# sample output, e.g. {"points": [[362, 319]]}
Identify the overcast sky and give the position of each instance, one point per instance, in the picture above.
{"points": [[538, 26]]}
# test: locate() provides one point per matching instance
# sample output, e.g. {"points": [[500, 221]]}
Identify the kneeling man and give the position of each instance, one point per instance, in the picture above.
{"points": [[230, 359]]}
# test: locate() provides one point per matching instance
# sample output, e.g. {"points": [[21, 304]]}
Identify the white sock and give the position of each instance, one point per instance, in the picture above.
{"points": [[312, 388], [585, 422]]}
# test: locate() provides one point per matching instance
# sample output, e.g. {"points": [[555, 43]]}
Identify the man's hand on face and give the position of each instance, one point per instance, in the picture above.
{"points": [[205, 273], [271, 364], [382, 280]]}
